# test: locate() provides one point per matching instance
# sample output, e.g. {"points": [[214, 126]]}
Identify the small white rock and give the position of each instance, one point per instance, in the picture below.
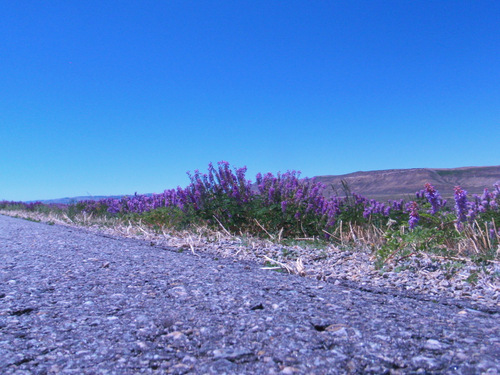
{"points": [[432, 344]]}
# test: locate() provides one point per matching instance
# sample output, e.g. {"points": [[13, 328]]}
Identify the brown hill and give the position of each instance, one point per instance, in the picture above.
{"points": [[402, 183]]}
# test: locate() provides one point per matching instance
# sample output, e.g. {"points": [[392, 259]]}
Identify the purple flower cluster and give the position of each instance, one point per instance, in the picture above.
{"points": [[420, 194], [90, 206], [412, 208], [461, 205], [300, 197], [132, 204], [198, 194], [465, 210], [434, 198], [33, 206], [397, 205], [371, 207], [486, 201], [220, 181], [374, 207]]}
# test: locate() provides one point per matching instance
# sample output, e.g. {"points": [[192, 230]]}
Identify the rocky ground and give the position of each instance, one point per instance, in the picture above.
{"points": [[424, 274], [84, 301]]}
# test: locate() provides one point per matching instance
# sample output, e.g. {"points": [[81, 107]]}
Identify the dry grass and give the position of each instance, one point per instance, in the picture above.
{"points": [[366, 239], [352, 257]]}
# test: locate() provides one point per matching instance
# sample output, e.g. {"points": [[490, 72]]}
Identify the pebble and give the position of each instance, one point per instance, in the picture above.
{"points": [[176, 335], [433, 345]]}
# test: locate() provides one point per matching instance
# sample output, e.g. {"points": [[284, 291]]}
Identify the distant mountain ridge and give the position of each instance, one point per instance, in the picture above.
{"points": [[390, 183], [401, 183], [68, 200]]}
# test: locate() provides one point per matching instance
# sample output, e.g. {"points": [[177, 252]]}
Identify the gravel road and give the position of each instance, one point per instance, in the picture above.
{"points": [[76, 302]]}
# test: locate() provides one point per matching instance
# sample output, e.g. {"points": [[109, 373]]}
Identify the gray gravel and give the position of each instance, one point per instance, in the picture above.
{"points": [[72, 301]]}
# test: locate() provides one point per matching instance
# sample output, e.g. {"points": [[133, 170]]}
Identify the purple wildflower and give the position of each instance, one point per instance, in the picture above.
{"points": [[412, 208], [283, 206], [420, 194], [461, 208], [433, 197]]}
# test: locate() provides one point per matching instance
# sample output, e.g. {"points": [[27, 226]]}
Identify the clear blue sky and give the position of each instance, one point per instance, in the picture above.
{"points": [[112, 97]]}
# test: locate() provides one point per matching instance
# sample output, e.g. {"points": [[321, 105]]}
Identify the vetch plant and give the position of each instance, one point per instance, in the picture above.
{"points": [[461, 206], [434, 198], [412, 208]]}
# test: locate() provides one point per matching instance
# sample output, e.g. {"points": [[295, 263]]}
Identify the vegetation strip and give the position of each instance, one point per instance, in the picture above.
{"points": [[288, 224]]}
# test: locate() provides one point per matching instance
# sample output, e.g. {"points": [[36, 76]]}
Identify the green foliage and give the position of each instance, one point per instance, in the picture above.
{"points": [[34, 220], [12, 207], [164, 217], [289, 253], [226, 210], [473, 278], [72, 211], [451, 268], [402, 242], [353, 213], [274, 220]]}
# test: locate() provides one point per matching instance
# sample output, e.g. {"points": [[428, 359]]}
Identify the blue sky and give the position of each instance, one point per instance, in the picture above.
{"points": [[107, 97]]}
